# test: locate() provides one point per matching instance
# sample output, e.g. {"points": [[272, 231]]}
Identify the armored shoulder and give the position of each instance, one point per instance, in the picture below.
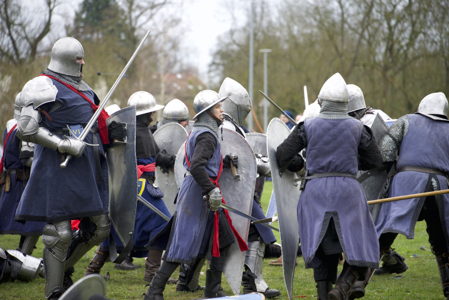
{"points": [[390, 143]]}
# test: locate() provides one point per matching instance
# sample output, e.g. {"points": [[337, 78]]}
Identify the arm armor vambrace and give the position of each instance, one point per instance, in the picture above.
{"points": [[42, 137]]}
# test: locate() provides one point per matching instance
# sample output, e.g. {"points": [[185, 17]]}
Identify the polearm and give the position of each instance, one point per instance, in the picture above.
{"points": [[242, 214], [94, 118], [399, 198], [152, 207], [278, 107]]}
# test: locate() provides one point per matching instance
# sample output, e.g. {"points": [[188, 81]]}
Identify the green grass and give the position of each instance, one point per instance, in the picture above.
{"points": [[421, 281]]}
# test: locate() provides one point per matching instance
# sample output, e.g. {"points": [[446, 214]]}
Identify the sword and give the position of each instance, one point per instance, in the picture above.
{"points": [[152, 207], [391, 199], [278, 107], [242, 214], [94, 118]]}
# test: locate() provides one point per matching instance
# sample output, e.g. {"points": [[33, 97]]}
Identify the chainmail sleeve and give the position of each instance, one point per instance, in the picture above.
{"points": [[287, 153], [369, 153], [390, 143]]}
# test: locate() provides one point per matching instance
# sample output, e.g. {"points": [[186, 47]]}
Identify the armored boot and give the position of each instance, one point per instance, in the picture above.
{"points": [[358, 288], [157, 286], [443, 266], [127, 265], [252, 279], [347, 278], [323, 288], [393, 262], [27, 244], [213, 285], [97, 262], [186, 276]]}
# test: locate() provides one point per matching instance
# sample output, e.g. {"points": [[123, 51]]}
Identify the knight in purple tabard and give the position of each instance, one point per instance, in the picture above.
{"points": [[56, 106], [333, 214], [16, 162], [147, 222], [421, 142], [197, 213]]}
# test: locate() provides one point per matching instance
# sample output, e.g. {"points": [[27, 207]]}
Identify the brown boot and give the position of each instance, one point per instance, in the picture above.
{"points": [[97, 262], [152, 264], [358, 288], [278, 262], [344, 283]]}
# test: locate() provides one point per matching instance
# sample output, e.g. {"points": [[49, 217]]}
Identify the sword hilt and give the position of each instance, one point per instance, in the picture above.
{"points": [[63, 165]]}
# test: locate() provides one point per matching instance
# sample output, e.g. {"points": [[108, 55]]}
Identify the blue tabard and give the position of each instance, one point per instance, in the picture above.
{"points": [[54, 194], [332, 146], [189, 222], [10, 200], [425, 145]]}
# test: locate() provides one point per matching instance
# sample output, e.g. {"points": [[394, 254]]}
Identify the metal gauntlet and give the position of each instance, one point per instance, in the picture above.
{"points": [[263, 165], [215, 199], [71, 146]]}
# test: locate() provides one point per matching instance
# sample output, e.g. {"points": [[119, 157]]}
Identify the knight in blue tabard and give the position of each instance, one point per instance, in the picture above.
{"points": [[15, 165], [420, 145], [55, 107], [147, 222], [332, 211], [236, 107], [198, 211]]}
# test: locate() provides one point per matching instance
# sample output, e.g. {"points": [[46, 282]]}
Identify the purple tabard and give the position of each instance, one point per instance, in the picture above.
{"points": [[332, 146]]}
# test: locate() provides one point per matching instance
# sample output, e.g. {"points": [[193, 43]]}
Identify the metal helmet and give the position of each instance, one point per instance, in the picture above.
{"points": [[112, 109], [238, 104], [64, 54], [144, 103], [356, 100], [17, 106], [433, 104], [175, 110], [334, 89], [205, 100]]}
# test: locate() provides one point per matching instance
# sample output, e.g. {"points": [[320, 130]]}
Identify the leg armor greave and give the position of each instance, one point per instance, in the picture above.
{"points": [[56, 238], [83, 242], [254, 262], [29, 243]]}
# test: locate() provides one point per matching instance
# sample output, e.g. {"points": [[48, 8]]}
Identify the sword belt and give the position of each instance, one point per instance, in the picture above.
{"points": [[422, 170], [329, 174]]}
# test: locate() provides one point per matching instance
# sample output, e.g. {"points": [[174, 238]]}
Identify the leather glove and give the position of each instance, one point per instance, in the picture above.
{"points": [[214, 197], [165, 161], [227, 161], [71, 146], [117, 131]]}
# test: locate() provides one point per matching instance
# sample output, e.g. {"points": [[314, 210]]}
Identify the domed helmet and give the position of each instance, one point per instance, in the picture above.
{"points": [[176, 110], [356, 100], [17, 106], [334, 89], [238, 104], [205, 100], [64, 54], [112, 109], [433, 104], [144, 103]]}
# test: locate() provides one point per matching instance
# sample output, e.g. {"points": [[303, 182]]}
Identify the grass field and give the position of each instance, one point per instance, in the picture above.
{"points": [[421, 281]]}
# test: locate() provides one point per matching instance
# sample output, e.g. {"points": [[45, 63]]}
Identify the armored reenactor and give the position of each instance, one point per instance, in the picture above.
{"points": [[332, 211], [16, 265], [174, 112], [357, 106], [147, 223], [236, 107], [15, 165], [421, 141], [55, 108], [192, 224]]}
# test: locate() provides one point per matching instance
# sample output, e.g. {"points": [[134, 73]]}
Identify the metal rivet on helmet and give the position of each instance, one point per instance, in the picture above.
{"points": [[356, 100], [64, 54], [176, 110], [205, 100], [144, 103], [334, 89]]}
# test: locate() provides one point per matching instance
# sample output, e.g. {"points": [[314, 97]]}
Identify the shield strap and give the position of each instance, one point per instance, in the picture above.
{"points": [[6, 140], [103, 128], [216, 245]]}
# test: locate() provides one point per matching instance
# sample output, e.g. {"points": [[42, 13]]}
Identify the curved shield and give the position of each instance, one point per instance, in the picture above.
{"points": [[286, 190], [122, 175], [85, 288], [258, 142], [180, 171], [169, 137], [238, 193]]}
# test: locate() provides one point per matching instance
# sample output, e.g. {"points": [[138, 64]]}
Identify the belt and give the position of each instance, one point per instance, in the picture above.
{"points": [[329, 174], [65, 131], [422, 170]]}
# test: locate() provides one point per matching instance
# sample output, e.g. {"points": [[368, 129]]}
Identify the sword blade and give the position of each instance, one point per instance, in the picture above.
{"points": [[242, 214], [152, 207], [278, 107]]}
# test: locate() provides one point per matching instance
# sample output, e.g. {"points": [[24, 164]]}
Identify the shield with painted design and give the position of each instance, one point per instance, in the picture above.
{"points": [[286, 190], [122, 176], [237, 190], [169, 137]]}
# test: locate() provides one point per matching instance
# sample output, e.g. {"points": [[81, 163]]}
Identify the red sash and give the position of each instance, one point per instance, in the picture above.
{"points": [[216, 245], [145, 168], [102, 127], [4, 146]]}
